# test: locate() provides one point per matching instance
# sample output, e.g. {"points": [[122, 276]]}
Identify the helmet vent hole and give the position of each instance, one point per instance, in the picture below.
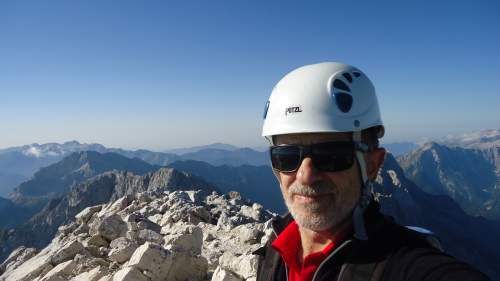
{"points": [[343, 101], [356, 74], [356, 123], [339, 84], [348, 77]]}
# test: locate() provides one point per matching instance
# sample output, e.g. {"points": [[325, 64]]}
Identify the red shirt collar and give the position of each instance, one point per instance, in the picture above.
{"points": [[288, 244]]}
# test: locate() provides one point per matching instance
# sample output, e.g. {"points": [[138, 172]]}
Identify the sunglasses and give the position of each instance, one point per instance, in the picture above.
{"points": [[326, 156]]}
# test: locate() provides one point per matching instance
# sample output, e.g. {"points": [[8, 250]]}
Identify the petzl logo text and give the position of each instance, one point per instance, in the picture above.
{"points": [[293, 109]]}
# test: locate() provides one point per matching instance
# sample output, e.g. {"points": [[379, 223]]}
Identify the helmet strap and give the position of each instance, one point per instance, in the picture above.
{"points": [[366, 194]]}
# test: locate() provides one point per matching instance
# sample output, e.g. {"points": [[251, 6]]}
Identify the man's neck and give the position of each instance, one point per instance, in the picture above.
{"points": [[313, 241]]}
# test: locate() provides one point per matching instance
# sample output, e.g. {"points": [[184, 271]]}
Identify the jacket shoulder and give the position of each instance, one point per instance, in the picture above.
{"points": [[428, 264], [412, 256]]}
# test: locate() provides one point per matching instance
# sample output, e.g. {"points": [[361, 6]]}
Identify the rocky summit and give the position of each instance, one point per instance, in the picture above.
{"points": [[154, 236]]}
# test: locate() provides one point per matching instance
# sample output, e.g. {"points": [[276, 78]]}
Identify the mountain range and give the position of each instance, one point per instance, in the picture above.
{"points": [[18, 164], [469, 175], [55, 180]]}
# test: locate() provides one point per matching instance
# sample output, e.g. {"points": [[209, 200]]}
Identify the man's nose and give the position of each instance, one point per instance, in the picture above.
{"points": [[307, 174]]}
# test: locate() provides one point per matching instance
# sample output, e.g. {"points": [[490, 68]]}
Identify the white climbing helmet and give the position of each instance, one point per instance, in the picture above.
{"points": [[323, 97]]}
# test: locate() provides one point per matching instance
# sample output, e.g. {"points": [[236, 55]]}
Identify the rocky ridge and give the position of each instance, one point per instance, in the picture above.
{"points": [[107, 187], [168, 235]]}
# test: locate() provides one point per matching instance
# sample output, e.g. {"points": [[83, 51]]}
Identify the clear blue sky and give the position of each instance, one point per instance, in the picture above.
{"points": [[164, 74]]}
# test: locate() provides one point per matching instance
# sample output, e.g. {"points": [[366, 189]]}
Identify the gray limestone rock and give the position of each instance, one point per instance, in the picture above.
{"points": [[96, 240], [86, 214], [94, 274], [152, 258], [222, 274], [185, 238], [130, 274], [67, 252], [16, 258], [248, 233], [187, 267], [245, 266], [119, 242], [109, 227], [60, 272], [121, 249], [149, 236]]}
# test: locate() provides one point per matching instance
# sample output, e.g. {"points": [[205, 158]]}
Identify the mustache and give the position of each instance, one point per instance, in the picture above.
{"points": [[317, 189]]}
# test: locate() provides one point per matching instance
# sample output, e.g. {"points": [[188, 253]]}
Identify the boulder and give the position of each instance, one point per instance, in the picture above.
{"points": [[195, 196], [85, 262], [199, 214], [224, 222], [148, 211], [67, 252], [248, 233], [164, 207], [149, 235], [245, 266], [82, 228], [92, 275], [96, 240], [16, 258], [187, 267], [222, 274], [60, 272], [86, 214], [109, 227], [190, 239], [67, 228], [152, 258], [139, 221], [118, 205], [32, 268], [179, 195], [250, 212], [121, 249], [156, 218], [129, 274]]}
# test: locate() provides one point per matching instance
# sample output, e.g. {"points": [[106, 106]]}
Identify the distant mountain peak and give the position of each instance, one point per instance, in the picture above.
{"points": [[430, 145], [217, 145], [72, 142]]}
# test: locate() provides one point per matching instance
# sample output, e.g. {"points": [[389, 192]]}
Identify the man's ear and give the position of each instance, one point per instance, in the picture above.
{"points": [[375, 159]]}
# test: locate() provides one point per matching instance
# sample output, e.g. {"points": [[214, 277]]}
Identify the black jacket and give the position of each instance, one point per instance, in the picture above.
{"points": [[392, 252]]}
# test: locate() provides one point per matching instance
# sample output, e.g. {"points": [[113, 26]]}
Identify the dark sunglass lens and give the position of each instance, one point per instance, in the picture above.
{"points": [[333, 156], [285, 158]]}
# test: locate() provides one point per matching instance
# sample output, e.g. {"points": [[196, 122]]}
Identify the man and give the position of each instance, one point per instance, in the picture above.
{"points": [[323, 122]]}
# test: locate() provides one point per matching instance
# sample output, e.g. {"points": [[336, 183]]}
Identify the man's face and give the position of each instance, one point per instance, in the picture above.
{"points": [[319, 200]]}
